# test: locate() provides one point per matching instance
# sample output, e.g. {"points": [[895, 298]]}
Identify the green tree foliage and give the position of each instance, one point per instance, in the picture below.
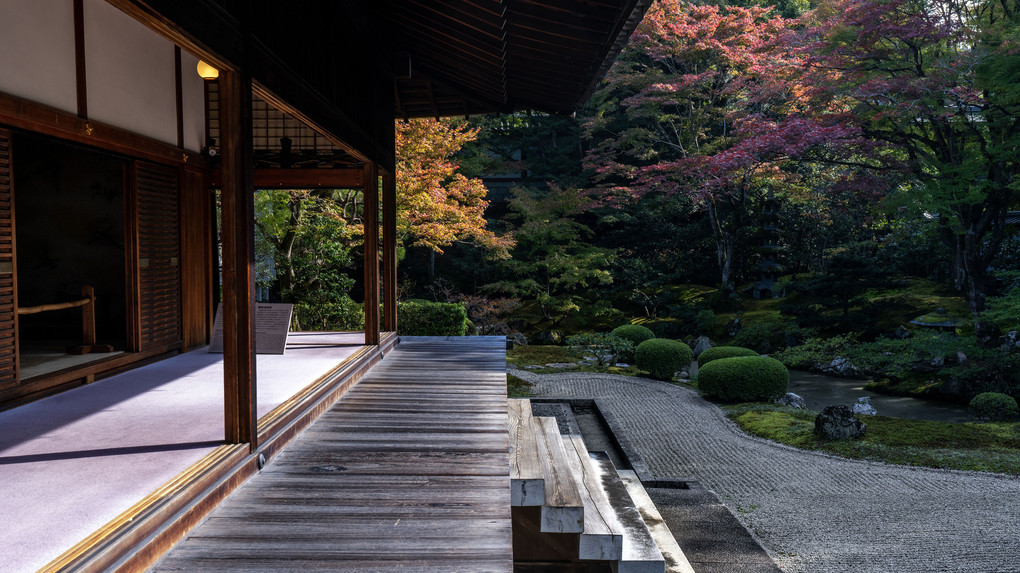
{"points": [[553, 262], [938, 82]]}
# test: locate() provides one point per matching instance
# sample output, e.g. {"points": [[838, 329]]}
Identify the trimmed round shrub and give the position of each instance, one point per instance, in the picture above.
{"points": [[994, 406], [717, 352], [662, 357], [633, 332], [744, 379]]}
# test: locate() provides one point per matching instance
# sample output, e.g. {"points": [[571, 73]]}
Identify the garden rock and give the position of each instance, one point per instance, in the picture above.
{"points": [[841, 366], [547, 337], [902, 333], [961, 358], [701, 344], [516, 339], [863, 406], [1011, 340], [838, 423], [792, 400]]}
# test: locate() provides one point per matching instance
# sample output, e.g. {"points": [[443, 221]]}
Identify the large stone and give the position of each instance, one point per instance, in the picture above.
{"points": [[1011, 340], [838, 423], [902, 333], [792, 400], [841, 366], [701, 344], [863, 406], [548, 337], [515, 339]]}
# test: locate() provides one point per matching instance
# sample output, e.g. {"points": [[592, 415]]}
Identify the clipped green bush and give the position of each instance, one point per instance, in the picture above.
{"points": [[634, 333], [744, 379], [606, 349], [717, 352], [431, 319], [994, 407], [662, 357]]}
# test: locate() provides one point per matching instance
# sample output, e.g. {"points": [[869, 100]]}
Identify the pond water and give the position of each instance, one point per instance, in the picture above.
{"points": [[819, 391]]}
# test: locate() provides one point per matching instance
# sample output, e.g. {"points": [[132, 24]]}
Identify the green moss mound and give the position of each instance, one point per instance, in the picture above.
{"points": [[994, 407], [431, 319], [662, 357], [634, 333], [717, 352], [744, 378]]}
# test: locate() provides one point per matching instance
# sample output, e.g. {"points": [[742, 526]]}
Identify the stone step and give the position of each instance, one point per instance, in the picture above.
{"points": [[640, 552]]}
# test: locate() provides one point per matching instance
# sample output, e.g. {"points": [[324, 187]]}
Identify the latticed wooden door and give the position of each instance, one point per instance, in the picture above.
{"points": [[8, 293], [156, 219]]}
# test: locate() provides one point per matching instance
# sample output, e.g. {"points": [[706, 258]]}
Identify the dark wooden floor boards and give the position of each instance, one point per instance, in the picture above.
{"points": [[408, 472]]}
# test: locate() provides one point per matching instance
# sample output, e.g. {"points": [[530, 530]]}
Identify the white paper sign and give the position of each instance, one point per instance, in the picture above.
{"points": [[272, 323]]}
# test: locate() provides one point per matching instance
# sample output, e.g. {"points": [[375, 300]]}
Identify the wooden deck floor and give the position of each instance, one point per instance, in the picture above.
{"points": [[408, 471]]}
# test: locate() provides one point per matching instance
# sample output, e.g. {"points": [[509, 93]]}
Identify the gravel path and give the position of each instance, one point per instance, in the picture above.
{"points": [[814, 513]]}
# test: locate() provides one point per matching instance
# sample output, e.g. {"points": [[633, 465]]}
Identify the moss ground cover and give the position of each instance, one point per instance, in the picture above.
{"points": [[517, 388], [991, 447]]}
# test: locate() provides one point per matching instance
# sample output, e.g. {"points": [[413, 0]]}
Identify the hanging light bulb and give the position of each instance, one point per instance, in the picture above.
{"points": [[206, 71]]}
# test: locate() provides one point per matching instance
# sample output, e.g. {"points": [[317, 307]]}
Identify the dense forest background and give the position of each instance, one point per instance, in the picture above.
{"points": [[807, 179]]}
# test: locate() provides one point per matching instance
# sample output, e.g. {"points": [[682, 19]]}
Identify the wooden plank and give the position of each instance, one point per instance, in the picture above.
{"points": [[602, 538], [372, 490], [527, 486], [562, 511], [640, 553]]}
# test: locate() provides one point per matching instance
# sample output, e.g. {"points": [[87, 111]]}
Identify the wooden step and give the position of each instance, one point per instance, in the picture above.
{"points": [[563, 510], [527, 486], [676, 561], [602, 538], [640, 553]]}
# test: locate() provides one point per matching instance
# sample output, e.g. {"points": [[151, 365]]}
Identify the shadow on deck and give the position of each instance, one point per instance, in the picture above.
{"points": [[108, 465]]}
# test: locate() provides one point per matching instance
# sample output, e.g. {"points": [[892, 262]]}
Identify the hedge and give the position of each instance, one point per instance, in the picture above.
{"points": [[431, 319], [717, 352], [634, 333], [994, 406], [744, 378], [663, 357]]}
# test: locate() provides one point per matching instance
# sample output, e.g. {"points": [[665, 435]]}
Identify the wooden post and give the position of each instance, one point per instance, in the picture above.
{"points": [[370, 222], [88, 317], [238, 228], [389, 257]]}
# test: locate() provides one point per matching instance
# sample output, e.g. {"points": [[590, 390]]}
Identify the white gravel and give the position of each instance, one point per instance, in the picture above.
{"points": [[814, 513]]}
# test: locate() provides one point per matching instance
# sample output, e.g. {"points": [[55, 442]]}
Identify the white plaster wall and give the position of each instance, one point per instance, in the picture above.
{"points": [[37, 52], [130, 74], [194, 103]]}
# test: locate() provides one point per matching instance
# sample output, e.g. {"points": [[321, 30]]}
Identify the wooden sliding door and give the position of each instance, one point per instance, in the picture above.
{"points": [[156, 220], [8, 293]]}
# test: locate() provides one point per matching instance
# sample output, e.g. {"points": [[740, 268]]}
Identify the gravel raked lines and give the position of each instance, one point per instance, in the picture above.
{"points": [[813, 512]]}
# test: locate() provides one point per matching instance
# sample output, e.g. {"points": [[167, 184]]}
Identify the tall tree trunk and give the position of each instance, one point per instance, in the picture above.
{"points": [[724, 244]]}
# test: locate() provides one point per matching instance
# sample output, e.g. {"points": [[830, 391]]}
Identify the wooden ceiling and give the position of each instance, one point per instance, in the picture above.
{"points": [[460, 57]]}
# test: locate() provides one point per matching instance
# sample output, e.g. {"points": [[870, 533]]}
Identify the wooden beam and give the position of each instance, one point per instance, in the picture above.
{"points": [[238, 228], [271, 178], [390, 244], [79, 59], [179, 95], [389, 257], [370, 222]]}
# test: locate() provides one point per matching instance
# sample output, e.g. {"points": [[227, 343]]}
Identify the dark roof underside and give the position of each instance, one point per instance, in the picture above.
{"points": [[458, 57]]}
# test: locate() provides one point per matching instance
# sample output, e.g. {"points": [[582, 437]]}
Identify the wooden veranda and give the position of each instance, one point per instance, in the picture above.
{"points": [[408, 471]]}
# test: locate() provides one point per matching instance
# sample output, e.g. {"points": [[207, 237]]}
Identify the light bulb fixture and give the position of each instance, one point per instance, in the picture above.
{"points": [[206, 71]]}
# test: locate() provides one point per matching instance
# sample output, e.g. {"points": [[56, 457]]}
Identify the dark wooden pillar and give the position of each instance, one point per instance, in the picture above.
{"points": [[238, 232], [370, 221], [389, 257]]}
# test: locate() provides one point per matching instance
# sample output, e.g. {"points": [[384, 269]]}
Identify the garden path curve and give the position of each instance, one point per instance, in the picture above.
{"points": [[813, 512]]}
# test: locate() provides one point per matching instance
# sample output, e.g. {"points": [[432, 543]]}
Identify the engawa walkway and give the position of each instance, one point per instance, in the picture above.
{"points": [[408, 471], [814, 513]]}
